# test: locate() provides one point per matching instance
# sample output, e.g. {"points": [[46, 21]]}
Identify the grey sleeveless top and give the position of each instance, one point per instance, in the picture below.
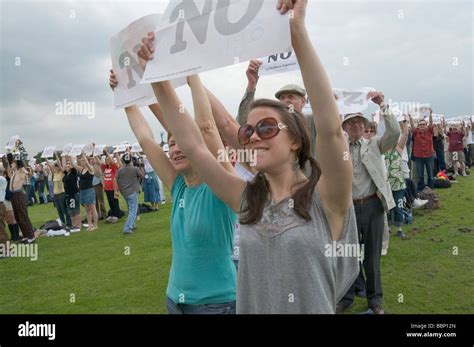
{"points": [[287, 265]]}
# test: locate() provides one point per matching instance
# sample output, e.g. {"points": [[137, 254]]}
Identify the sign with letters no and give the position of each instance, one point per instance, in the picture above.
{"points": [[195, 36], [124, 47], [278, 63]]}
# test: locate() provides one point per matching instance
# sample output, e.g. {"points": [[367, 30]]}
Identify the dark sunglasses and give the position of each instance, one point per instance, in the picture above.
{"points": [[266, 129]]}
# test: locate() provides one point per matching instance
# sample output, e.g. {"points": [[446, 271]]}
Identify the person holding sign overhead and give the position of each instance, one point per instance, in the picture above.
{"points": [[86, 190], [110, 168], [287, 219], [59, 197], [423, 150]]}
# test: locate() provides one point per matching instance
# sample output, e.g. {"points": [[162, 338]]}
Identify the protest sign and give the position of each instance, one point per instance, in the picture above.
{"points": [[136, 148], [195, 36], [278, 63], [99, 149], [88, 149], [124, 47], [352, 101], [120, 148], [76, 150], [66, 149], [12, 141], [48, 152]]}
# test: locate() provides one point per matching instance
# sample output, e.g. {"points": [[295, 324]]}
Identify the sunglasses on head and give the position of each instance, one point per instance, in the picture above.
{"points": [[266, 129]]}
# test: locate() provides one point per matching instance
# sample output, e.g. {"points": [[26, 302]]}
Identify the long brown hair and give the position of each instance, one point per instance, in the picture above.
{"points": [[257, 193]]}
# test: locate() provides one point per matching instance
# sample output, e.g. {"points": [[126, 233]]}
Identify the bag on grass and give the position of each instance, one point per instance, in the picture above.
{"points": [[433, 201], [51, 225]]}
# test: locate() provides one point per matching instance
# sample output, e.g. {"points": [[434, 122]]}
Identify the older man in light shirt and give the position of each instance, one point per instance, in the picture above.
{"points": [[371, 194]]}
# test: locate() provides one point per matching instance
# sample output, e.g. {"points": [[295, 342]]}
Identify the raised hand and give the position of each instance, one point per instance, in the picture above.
{"points": [[145, 53], [113, 82], [376, 97], [252, 74], [299, 11]]}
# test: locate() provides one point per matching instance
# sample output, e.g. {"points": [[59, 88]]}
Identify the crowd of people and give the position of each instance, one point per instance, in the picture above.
{"points": [[252, 238], [69, 183]]}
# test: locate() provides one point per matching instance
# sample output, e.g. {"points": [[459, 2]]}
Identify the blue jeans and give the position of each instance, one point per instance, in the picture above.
{"points": [[395, 215], [132, 203], [421, 163], [61, 207], [225, 308]]}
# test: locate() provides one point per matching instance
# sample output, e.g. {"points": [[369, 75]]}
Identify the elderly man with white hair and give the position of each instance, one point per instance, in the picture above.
{"points": [[371, 194]]}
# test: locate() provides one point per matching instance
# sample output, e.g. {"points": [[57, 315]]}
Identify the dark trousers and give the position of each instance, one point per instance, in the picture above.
{"points": [[440, 163], [3, 231], [20, 209], [468, 155], [61, 207], [421, 163], [99, 200], [410, 192], [370, 224], [113, 204]]}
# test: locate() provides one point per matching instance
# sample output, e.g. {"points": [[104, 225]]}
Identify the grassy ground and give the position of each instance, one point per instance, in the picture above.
{"points": [[94, 269]]}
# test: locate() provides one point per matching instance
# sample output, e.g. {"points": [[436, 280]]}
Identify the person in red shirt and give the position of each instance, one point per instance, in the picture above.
{"points": [[456, 149], [110, 168], [423, 150]]}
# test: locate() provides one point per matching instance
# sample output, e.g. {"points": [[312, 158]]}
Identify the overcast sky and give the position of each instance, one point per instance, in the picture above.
{"points": [[412, 51]]}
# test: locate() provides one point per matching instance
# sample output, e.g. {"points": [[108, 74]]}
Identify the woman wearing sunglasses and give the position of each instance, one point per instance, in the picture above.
{"points": [[288, 220]]}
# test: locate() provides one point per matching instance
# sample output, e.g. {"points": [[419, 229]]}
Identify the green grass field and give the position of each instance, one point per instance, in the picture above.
{"points": [[419, 275]]}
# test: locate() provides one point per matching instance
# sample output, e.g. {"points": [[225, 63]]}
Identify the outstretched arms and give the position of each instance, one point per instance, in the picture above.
{"points": [[335, 185], [155, 155]]}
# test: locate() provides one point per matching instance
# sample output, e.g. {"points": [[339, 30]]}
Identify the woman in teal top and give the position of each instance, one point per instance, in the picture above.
{"points": [[203, 276], [202, 227]]}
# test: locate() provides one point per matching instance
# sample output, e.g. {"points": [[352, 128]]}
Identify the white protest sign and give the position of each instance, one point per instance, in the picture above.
{"points": [[278, 63], [438, 118], [195, 36], [120, 148], [99, 149], [124, 47], [48, 152], [420, 111], [352, 101], [66, 150], [88, 149], [136, 148], [76, 150], [12, 141]]}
